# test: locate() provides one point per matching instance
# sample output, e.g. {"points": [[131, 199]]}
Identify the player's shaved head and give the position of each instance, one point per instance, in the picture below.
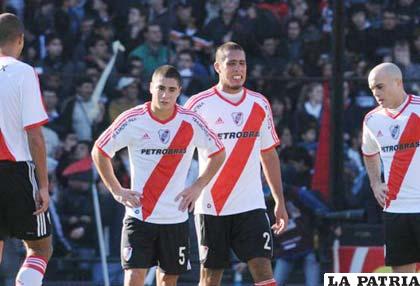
{"points": [[10, 28], [223, 49], [389, 70], [386, 83]]}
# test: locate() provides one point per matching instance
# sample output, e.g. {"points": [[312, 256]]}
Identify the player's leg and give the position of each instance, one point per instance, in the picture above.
{"points": [[38, 253], [408, 268], [35, 231], [138, 250], [173, 253], [402, 237], [210, 277], [213, 235], [134, 276], [253, 244], [1, 250], [164, 279]]}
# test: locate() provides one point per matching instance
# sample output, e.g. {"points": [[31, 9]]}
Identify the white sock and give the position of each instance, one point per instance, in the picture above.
{"points": [[32, 271]]}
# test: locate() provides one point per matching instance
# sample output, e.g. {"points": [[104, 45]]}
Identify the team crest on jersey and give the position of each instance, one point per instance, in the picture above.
{"points": [[164, 135], [395, 131], [238, 118], [127, 252]]}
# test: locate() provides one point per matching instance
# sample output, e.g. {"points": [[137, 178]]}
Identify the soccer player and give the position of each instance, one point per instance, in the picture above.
{"points": [[161, 138], [231, 212], [23, 169], [391, 133]]}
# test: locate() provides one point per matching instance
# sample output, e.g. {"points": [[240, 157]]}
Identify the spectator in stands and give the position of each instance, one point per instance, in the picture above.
{"points": [[153, 52], [402, 58], [82, 113], [389, 32], [292, 46], [133, 35], [130, 96], [358, 38]]}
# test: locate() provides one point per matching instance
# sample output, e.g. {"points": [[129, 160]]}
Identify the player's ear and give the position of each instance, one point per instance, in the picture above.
{"points": [[216, 66]]}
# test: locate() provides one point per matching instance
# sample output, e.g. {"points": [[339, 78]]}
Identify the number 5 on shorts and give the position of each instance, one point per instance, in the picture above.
{"points": [[181, 255]]}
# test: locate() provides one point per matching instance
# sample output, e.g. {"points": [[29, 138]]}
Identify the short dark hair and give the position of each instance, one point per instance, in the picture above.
{"points": [[167, 71], [10, 28], [228, 46]]}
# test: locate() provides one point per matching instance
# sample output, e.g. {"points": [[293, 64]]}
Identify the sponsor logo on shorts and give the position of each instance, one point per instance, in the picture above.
{"points": [[127, 252]]}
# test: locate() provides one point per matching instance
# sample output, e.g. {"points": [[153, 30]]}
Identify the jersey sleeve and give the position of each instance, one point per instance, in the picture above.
{"points": [[116, 137], [205, 139], [33, 111], [269, 138], [370, 146]]}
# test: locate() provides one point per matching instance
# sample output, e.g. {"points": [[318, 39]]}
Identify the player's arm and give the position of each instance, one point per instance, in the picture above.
{"points": [[106, 171], [39, 156], [190, 195], [373, 169], [271, 167]]}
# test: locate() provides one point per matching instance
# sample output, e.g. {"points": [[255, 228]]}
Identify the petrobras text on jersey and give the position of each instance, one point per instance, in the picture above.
{"points": [[372, 279]]}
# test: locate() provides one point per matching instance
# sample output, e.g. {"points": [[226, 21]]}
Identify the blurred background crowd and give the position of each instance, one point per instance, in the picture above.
{"points": [[289, 56]]}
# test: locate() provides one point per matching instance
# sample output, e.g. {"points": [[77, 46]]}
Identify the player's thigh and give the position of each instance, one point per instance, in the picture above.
{"points": [[39, 247], [21, 192], [213, 235], [260, 269], [138, 244], [174, 249], [134, 276], [251, 235], [402, 239]]}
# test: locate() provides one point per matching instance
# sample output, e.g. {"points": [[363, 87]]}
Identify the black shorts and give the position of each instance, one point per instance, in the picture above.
{"points": [[402, 238], [248, 234], [18, 187], [144, 245]]}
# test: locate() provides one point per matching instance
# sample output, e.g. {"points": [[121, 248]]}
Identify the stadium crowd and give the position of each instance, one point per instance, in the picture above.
{"points": [[87, 82]]}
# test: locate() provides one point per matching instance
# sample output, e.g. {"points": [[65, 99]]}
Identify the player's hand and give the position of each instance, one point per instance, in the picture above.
{"points": [[380, 191], [188, 197], [282, 218], [127, 197], [42, 199]]}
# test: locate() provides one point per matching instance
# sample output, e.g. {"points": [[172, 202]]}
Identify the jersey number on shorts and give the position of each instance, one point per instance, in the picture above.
{"points": [[181, 255], [267, 237]]}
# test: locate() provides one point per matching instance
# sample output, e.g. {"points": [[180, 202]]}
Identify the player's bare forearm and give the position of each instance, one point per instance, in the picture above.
{"points": [[37, 148], [373, 168], [213, 165], [106, 171], [190, 195], [271, 167]]}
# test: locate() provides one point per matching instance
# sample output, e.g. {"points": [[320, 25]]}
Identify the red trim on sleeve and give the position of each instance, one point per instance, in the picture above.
{"points": [[215, 153], [369, 155], [43, 122], [271, 147], [105, 154]]}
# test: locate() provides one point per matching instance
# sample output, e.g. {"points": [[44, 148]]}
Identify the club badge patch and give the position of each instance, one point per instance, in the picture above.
{"points": [[395, 131], [164, 135], [238, 118], [127, 252]]}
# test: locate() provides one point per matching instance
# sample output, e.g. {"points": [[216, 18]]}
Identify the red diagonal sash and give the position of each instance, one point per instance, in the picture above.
{"points": [[402, 158], [235, 163], [164, 170]]}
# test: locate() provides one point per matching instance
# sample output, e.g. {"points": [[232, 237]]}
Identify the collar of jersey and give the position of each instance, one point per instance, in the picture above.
{"points": [[394, 116], [149, 110], [227, 100]]}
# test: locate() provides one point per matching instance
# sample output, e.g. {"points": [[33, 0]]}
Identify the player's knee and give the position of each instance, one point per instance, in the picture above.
{"points": [[260, 269], [169, 280], [134, 276], [41, 248], [211, 277]]}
